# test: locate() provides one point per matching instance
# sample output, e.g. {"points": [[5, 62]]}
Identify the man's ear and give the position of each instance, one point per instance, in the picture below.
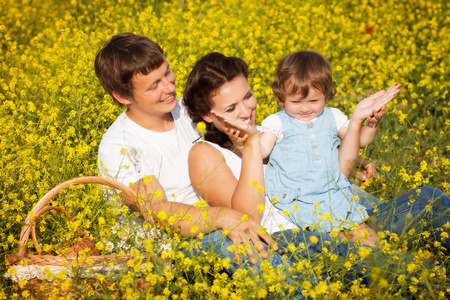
{"points": [[123, 100]]}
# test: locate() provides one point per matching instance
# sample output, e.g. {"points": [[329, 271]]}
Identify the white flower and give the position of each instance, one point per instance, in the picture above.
{"points": [[109, 246]]}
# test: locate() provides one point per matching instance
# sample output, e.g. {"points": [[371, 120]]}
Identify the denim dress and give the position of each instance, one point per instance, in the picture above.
{"points": [[303, 176]]}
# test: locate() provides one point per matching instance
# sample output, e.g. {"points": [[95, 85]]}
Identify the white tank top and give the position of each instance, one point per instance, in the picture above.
{"points": [[273, 220]]}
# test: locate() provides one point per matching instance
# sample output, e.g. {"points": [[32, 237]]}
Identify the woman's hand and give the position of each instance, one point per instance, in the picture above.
{"points": [[246, 231]]}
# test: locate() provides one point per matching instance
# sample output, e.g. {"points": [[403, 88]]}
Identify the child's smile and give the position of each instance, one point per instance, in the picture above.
{"points": [[307, 108]]}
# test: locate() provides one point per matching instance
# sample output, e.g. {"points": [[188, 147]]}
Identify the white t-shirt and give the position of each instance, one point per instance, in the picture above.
{"points": [[129, 152], [272, 219], [273, 123]]}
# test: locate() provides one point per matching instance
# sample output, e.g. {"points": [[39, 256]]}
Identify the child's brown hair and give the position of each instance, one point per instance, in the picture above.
{"points": [[298, 72]]}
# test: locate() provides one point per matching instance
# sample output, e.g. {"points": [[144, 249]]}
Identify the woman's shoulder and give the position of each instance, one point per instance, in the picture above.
{"points": [[214, 154], [209, 157], [204, 150]]}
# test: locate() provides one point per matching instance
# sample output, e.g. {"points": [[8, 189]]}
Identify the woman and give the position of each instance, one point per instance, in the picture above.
{"points": [[217, 88]]}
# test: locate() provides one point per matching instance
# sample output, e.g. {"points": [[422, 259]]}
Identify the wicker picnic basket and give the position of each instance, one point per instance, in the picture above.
{"points": [[70, 257]]}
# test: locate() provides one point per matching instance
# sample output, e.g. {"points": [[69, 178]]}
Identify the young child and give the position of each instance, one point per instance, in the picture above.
{"points": [[303, 175]]}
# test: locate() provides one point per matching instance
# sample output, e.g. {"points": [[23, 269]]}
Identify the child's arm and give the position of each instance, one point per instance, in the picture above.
{"points": [[268, 140], [238, 134], [351, 135]]}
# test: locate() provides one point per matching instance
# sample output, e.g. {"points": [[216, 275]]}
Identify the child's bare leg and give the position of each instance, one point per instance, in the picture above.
{"points": [[363, 233]]}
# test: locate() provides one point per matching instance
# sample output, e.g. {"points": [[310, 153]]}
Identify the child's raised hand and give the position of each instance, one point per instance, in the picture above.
{"points": [[373, 107], [236, 138]]}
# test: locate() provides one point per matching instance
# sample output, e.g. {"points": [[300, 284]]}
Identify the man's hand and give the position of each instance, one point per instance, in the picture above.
{"points": [[365, 169], [375, 119]]}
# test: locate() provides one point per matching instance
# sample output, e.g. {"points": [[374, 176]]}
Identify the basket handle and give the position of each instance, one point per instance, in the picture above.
{"points": [[38, 207], [40, 213]]}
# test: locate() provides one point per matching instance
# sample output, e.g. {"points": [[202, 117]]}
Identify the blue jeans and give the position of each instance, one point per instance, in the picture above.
{"points": [[217, 244], [408, 211], [399, 215]]}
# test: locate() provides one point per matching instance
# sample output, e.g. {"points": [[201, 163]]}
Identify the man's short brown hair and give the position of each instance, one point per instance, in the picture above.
{"points": [[124, 56]]}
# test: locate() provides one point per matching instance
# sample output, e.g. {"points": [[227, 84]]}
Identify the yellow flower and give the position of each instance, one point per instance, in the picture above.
{"points": [[201, 203], [162, 215], [314, 239], [261, 208], [383, 283], [194, 228], [158, 194], [291, 247], [321, 288], [22, 283], [262, 293], [201, 126], [364, 252], [100, 246], [100, 277]]}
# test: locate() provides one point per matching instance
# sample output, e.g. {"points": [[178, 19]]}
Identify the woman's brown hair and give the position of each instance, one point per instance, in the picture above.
{"points": [[209, 74]]}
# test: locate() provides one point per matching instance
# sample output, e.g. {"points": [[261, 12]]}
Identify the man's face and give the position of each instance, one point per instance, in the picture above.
{"points": [[154, 93]]}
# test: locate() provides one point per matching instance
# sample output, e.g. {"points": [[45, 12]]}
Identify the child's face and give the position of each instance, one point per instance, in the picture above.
{"points": [[305, 109]]}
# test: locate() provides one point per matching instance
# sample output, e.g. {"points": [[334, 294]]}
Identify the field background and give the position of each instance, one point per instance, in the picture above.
{"points": [[53, 111]]}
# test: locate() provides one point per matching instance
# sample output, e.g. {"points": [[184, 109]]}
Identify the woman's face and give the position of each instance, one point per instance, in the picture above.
{"points": [[235, 99]]}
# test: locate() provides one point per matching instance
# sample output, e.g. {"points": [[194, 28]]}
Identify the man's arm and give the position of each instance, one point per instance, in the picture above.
{"points": [[191, 221], [152, 200], [349, 148], [369, 131]]}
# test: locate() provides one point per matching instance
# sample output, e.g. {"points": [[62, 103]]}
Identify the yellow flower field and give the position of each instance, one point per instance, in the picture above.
{"points": [[54, 112]]}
